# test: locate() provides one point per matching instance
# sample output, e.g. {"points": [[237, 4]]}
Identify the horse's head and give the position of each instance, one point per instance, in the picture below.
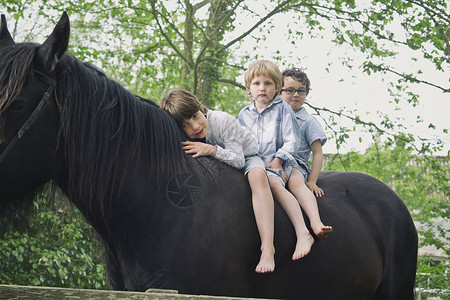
{"points": [[29, 117]]}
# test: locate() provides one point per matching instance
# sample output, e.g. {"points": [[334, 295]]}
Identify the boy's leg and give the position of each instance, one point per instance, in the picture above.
{"points": [[262, 201], [292, 208], [296, 185]]}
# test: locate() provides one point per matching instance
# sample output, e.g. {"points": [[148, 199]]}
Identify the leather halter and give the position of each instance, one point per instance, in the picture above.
{"points": [[34, 115]]}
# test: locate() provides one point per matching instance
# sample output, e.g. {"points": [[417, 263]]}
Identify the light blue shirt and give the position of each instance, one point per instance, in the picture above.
{"points": [[310, 131], [233, 141], [275, 129]]}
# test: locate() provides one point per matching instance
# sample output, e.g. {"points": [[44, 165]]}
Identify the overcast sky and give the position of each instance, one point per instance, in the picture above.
{"points": [[342, 87], [366, 94]]}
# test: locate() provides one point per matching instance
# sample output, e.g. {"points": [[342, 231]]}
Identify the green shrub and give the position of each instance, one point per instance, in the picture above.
{"points": [[56, 247]]}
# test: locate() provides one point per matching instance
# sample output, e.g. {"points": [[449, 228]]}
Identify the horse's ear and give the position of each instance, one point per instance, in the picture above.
{"points": [[56, 44], [5, 37]]}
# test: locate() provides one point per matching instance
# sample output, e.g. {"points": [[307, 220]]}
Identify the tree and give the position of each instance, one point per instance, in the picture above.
{"points": [[154, 46]]}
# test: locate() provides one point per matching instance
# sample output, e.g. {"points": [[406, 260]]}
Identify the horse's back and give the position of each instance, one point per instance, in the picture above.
{"points": [[371, 253], [389, 226]]}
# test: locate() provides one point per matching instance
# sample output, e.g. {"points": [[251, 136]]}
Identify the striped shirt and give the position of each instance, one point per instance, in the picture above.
{"points": [[275, 129], [233, 141]]}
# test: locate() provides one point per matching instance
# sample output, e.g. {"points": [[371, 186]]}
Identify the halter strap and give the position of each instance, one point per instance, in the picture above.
{"points": [[51, 82], [34, 115], [46, 78]]}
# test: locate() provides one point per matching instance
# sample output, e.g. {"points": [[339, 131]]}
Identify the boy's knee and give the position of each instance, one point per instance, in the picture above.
{"points": [[275, 182], [296, 177], [257, 174], [297, 173]]}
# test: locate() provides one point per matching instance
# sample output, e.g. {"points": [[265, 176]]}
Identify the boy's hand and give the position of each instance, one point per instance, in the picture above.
{"points": [[277, 163], [199, 149], [315, 189]]}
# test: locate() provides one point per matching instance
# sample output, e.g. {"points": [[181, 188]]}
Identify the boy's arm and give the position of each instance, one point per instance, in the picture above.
{"points": [[199, 149], [277, 163], [289, 131], [229, 134], [316, 166], [224, 130], [232, 153]]}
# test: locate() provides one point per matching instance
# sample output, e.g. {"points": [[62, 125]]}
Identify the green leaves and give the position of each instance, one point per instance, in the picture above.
{"points": [[58, 248], [152, 47], [422, 182]]}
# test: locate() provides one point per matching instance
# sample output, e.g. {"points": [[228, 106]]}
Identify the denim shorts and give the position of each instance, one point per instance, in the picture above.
{"points": [[302, 169], [279, 174], [288, 171], [253, 161]]}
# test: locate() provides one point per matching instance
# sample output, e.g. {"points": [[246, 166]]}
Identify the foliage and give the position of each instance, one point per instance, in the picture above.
{"points": [[152, 47], [433, 278], [422, 182], [55, 247]]}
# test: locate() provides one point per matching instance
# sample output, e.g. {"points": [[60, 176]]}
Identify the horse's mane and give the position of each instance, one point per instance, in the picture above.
{"points": [[104, 128], [14, 66], [107, 130]]}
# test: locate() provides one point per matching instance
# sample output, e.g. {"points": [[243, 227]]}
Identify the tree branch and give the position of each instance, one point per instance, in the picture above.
{"points": [[232, 82], [268, 16], [407, 77], [174, 47], [358, 121]]}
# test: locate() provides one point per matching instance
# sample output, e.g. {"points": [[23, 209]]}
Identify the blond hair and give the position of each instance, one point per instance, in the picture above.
{"points": [[181, 105], [263, 68]]}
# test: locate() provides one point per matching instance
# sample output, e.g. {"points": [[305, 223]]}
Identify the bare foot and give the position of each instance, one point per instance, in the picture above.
{"points": [[323, 231], [304, 244], [266, 262]]}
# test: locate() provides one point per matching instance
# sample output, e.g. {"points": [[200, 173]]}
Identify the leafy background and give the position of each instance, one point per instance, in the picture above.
{"points": [[152, 47]]}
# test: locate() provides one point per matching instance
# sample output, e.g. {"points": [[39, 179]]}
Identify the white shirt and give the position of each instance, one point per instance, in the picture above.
{"points": [[233, 141], [275, 128]]}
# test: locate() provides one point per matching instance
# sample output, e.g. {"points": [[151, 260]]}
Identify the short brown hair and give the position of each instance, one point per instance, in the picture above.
{"points": [[298, 75], [181, 105], [265, 68]]}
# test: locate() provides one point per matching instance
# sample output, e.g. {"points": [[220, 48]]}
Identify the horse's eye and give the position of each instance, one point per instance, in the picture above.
{"points": [[17, 106]]}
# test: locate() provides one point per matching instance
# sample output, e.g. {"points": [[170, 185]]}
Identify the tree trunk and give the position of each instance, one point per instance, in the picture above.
{"points": [[209, 62], [188, 43]]}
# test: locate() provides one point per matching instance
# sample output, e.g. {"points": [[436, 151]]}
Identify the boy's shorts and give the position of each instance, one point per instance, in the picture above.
{"points": [[253, 161], [279, 174], [302, 169], [288, 171]]}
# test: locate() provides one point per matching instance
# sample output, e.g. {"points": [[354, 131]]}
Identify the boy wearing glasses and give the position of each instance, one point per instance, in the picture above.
{"points": [[273, 123], [295, 88]]}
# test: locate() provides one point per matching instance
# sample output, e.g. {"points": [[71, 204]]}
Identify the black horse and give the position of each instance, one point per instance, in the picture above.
{"points": [[168, 220]]}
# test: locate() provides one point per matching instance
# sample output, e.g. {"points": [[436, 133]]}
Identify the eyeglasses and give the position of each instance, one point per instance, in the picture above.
{"points": [[291, 91]]}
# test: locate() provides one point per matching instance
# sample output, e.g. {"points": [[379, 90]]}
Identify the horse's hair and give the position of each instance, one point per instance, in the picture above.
{"points": [[14, 73], [104, 128], [15, 64]]}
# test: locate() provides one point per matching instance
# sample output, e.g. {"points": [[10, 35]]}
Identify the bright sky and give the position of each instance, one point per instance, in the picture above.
{"points": [[358, 91]]}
